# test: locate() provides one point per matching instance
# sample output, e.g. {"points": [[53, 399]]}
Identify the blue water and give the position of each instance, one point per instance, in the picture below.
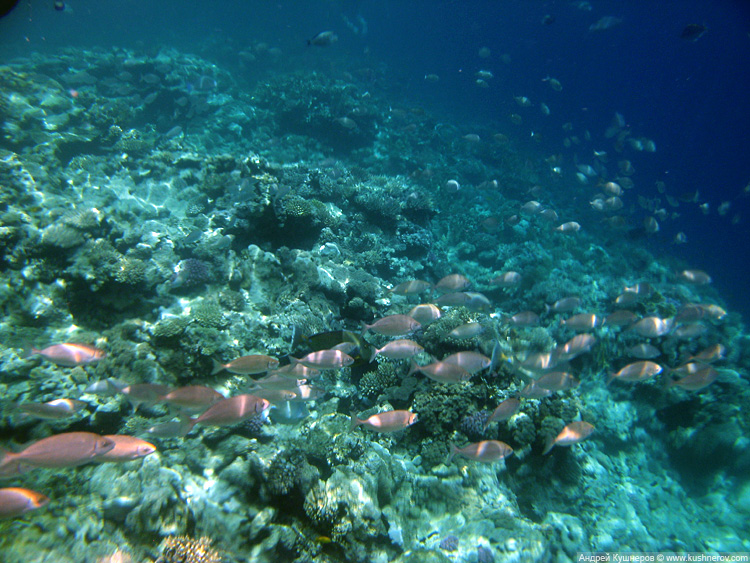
{"points": [[689, 97]]}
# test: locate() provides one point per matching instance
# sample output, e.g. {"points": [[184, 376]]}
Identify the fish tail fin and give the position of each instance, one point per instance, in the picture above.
{"points": [[454, 451], [354, 422], [413, 367], [610, 378], [374, 354], [292, 360], [548, 446], [217, 366], [29, 351], [363, 328]]}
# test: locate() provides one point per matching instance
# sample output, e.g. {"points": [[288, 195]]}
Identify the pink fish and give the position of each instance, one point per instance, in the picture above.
{"points": [[397, 350], [275, 396], [390, 421], [524, 319], [223, 413], [579, 344], [233, 410], [393, 325], [279, 382], [565, 305], [61, 450], [698, 376], [425, 313], [127, 448], [247, 365], [52, 410], [466, 331], [192, 397], [471, 300], [325, 359], [582, 322], [70, 354], [145, 393], [15, 501], [623, 317], [453, 282], [557, 381], [573, 433], [296, 371], [441, 372], [487, 451], [644, 351], [473, 362], [504, 411], [411, 287], [534, 391], [637, 371], [507, 279]]}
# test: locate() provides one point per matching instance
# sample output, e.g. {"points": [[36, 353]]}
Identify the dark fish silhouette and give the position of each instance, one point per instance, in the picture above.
{"points": [[693, 32]]}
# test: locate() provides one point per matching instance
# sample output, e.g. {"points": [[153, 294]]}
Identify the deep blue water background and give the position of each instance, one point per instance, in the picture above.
{"points": [[690, 97]]}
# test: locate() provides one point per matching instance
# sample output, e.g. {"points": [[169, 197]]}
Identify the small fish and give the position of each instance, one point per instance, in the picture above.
{"points": [[507, 279], [471, 300], [393, 325], [623, 317], [504, 411], [247, 365], [425, 313], [69, 449], [487, 451], [606, 22], [557, 381], [644, 351], [411, 287], [323, 39], [346, 122], [710, 354], [573, 433], [582, 322], [637, 371], [275, 396], [579, 344], [295, 371], [524, 319], [15, 501], [565, 305], [145, 393], [397, 350], [308, 393], [192, 397], [693, 32], [453, 282], [70, 354], [390, 421], [466, 331], [698, 377], [127, 448], [325, 359], [695, 277], [652, 327], [473, 362], [569, 227], [534, 391], [228, 412], [276, 381], [51, 410], [441, 372]]}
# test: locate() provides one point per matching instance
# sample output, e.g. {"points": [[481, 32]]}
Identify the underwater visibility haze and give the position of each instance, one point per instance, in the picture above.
{"points": [[373, 281]]}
